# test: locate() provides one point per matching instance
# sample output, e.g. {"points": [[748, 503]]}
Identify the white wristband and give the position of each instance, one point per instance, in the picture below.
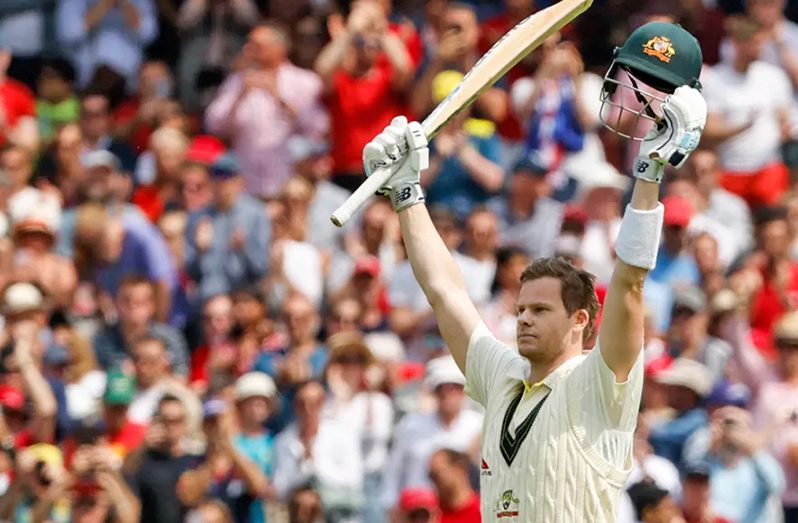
{"points": [[406, 195], [638, 239]]}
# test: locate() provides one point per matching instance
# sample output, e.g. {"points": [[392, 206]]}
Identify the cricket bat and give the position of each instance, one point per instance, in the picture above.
{"points": [[513, 46]]}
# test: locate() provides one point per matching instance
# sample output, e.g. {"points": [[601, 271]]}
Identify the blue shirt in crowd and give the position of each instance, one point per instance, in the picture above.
{"points": [[668, 438]]}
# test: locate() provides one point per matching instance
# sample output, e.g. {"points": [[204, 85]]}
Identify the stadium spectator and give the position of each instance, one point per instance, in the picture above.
{"points": [[18, 122], [136, 316], [227, 240], [364, 71], [418, 435], [499, 311], [450, 472], [321, 451], [157, 468], [738, 117], [696, 499], [653, 504], [56, 104], [109, 33], [96, 126], [261, 106]]}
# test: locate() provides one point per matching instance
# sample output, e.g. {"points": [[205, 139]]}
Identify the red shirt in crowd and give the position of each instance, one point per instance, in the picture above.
{"points": [[360, 108], [16, 101], [467, 513], [125, 114], [767, 306]]}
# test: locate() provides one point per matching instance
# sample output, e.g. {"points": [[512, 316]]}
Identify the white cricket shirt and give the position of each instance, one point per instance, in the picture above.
{"points": [[562, 459]]}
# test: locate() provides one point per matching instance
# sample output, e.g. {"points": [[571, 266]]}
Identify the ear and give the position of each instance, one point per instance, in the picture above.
{"points": [[581, 319]]}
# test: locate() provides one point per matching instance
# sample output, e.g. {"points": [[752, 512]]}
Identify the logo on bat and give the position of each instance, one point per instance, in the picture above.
{"points": [[661, 47]]}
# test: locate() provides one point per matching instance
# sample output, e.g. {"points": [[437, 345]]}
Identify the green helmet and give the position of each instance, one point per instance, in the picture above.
{"points": [[664, 56]]}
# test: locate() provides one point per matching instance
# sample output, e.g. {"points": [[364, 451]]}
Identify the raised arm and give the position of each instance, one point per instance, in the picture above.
{"points": [[621, 331], [433, 265]]}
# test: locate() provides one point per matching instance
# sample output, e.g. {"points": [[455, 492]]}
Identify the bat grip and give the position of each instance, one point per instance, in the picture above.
{"points": [[366, 190]]}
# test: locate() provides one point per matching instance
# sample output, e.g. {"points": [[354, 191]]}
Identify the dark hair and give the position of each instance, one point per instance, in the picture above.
{"points": [[148, 338], [137, 279], [646, 495], [457, 459], [504, 255], [766, 214], [576, 286], [62, 68], [169, 398]]}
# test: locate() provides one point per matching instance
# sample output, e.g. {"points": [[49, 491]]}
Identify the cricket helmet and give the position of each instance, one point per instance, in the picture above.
{"points": [[657, 58]]}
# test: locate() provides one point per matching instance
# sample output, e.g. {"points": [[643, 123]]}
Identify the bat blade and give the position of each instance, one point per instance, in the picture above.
{"points": [[508, 51]]}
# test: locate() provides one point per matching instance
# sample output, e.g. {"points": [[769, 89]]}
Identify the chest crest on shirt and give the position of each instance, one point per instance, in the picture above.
{"points": [[510, 445]]}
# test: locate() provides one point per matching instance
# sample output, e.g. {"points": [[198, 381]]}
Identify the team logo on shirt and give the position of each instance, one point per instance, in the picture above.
{"points": [[661, 47], [507, 505], [485, 468]]}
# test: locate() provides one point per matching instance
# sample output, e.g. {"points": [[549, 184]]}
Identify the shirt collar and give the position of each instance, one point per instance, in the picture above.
{"points": [[556, 375]]}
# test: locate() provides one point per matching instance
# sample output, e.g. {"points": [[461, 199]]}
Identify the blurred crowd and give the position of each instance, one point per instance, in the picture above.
{"points": [[186, 337]]}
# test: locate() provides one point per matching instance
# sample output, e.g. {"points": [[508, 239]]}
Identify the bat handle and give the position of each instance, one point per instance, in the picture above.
{"points": [[363, 193]]}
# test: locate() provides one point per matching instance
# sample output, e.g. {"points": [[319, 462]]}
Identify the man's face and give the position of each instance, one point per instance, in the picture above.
{"points": [[173, 416], [463, 22], [533, 186], [543, 326], [227, 190], [749, 50], [149, 359], [308, 402], [695, 495], [51, 86], [195, 187], [265, 47], [673, 238], [17, 163], [666, 511], [482, 232], [217, 317], [301, 319], [115, 417], [255, 409], [766, 12], [95, 119], [704, 165], [775, 238], [136, 304], [450, 398]]}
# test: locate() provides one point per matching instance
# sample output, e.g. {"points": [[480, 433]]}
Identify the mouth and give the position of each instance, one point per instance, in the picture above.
{"points": [[527, 337]]}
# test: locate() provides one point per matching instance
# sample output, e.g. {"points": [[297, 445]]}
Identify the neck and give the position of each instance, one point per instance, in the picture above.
{"points": [[541, 369], [457, 497], [131, 331], [740, 66], [447, 417], [308, 429], [251, 427]]}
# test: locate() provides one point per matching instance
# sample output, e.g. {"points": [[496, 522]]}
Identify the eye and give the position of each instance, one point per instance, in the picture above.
{"points": [[539, 310]]}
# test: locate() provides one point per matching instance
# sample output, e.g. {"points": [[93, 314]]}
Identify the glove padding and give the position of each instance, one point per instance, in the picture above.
{"points": [[402, 148], [676, 137]]}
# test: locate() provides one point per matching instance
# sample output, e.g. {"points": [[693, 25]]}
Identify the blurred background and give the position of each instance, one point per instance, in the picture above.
{"points": [[184, 336]]}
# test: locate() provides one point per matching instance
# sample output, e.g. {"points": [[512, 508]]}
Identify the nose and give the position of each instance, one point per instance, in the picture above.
{"points": [[525, 318]]}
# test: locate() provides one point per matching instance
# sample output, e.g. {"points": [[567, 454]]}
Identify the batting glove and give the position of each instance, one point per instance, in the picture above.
{"points": [[675, 138], [402, 148]]}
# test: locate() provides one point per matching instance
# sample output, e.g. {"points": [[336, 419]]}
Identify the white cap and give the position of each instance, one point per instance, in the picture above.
{"points": [[443, 370], [33, 207], [253, 384], [685, 372], [22, 297], [386, 346], [603, 175]]}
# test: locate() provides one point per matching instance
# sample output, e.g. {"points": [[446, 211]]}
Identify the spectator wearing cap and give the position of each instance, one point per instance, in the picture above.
{"points": [[108, 34], [260, 107], [417, 505], [318, 450], [96, 126], [364, 70], [136, 308], [674, 264], [528, 216], [57, 103], [653, 504], [356, 404], [26, 313], [256, 399], [688, 336], [419, 434], [226, 474], [157, 467], [17, 162], [196, 191], [19, 125], [696, 503], [744, 476], [600, 193], [124, 435], [450, 472], [366, 287], [499, 313], [227, 242], [688, 383], [35, 218]]}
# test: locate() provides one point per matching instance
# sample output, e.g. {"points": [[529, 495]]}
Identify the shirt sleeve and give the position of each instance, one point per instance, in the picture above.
{"points": [[487, 358]]}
